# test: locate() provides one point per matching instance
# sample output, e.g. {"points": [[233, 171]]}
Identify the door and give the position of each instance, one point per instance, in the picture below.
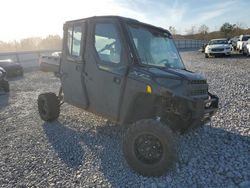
{"points": [[106, 66], [72, 65]]}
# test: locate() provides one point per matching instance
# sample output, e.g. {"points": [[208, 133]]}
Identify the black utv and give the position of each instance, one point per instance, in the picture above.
{"points": [[131, 72]]}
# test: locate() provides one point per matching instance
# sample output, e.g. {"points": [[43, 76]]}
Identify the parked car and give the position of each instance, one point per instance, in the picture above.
{"points": [[218, 47], [4, 84], [242, 42], [50, 63], [58, 54], [12, 68], [246, 48], [234, 42]]}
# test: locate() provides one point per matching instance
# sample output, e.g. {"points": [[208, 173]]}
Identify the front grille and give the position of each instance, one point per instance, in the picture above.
{"points": [[198, 92], [197, 82], [217, 49], [197, 87]]}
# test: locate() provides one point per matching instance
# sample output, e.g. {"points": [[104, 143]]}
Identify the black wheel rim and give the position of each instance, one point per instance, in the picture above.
{"points": [[43, 107], [148, 149]]}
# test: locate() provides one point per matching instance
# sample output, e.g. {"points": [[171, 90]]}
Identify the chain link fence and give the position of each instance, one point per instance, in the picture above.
{"points": [[189, 44], [28, 59]]}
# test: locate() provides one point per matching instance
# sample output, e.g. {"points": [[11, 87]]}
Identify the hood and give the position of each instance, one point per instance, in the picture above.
{"points": [[6, 65], [179, 74]]}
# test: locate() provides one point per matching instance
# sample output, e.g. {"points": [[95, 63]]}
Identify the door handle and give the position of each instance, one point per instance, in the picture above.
{"points": [[117, 80]]}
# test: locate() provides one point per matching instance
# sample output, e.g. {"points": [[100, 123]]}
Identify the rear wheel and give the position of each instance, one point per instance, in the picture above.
{"points": [[48, 106], [149, 148]]}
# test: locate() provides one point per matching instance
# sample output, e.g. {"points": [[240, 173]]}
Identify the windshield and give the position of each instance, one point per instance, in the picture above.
{"points": [[218, 42], [155, 48], [245, 38]]}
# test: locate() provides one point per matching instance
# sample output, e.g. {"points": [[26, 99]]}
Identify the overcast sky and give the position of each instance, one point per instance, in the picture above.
{"points": [[30, 18]]}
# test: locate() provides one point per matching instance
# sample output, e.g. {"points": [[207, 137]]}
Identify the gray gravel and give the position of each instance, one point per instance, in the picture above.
{"points": [[83, 150]]}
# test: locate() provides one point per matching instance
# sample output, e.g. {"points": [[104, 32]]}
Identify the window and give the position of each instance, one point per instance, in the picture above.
{"points": [[155, 47], [74, 41], [107, 43], [69, 42], [245, 38]]}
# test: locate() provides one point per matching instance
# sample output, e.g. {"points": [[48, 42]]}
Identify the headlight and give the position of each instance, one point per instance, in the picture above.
{"points": [[208, 104]]}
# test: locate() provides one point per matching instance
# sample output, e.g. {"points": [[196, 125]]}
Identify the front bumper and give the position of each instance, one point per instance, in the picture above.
{"points": [[203, 109], [225, 52], [219, 51], [192, 112]]}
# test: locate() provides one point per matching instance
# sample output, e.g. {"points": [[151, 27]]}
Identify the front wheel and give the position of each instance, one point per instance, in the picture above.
{"points": [[149, 147], [48, 106], [206, 55], [248, 52], [244, 51]]}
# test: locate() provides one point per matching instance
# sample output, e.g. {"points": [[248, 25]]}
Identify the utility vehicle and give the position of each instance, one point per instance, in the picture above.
{"points": [[131, 72]]}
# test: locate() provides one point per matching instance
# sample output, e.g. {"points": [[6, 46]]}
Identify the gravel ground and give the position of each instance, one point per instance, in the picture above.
{"points": [[83, 150]]}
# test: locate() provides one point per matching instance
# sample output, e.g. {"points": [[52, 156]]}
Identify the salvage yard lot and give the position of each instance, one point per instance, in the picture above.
{"points": [[83, 150]]}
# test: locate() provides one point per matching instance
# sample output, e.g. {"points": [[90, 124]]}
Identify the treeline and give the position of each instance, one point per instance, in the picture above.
{"points": [[227, 30], [33, 43]]}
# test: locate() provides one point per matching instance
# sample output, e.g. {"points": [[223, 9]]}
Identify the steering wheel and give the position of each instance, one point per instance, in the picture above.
{"points": [[106, 47]]}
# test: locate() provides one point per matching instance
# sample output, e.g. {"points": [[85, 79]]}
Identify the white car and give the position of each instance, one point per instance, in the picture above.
{"points": [[246, 48], [242, 42], [50, 63], [218, 47]]}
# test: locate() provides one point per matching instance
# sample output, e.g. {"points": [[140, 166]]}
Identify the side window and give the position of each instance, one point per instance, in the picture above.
{"points": [[69, 41], [74, 41], [108, 43]]}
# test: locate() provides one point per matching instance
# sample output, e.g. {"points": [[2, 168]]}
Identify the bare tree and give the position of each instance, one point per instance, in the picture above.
{"points": [[191, 30], [32, 43], [203, 29], [172, 30], [239, 28]]}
